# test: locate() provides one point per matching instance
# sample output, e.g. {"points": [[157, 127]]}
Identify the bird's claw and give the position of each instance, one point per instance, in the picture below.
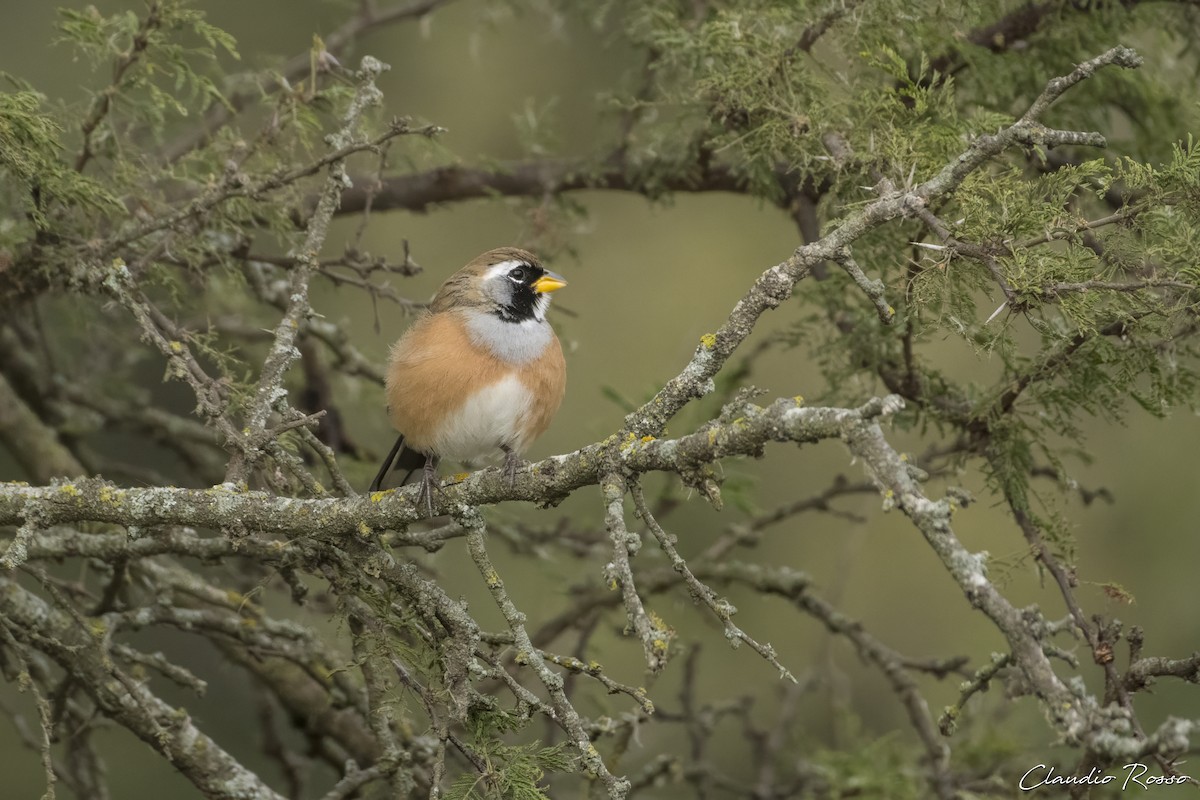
{"points": [[429, 485], [512, 465]]}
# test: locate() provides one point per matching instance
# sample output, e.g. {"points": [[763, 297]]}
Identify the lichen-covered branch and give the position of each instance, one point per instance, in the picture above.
{"points": [[283, 352], [785, 420], [565, 714], [382, 672], [775, 285], [654, 636], [1105, 730], [169, 730], [722, 608]]}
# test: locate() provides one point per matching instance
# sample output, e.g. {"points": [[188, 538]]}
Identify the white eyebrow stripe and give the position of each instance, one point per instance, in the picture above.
{"points": [[501, 268]]}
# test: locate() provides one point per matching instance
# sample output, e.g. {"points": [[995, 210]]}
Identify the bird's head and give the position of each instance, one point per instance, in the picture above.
{"points": [[507, 282]]}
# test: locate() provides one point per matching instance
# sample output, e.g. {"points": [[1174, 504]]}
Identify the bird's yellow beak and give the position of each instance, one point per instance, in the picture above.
{"points": [[550, 282]]}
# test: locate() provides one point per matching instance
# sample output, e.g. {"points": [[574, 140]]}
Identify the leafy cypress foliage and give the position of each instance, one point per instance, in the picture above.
{"points": [[184, 206]]}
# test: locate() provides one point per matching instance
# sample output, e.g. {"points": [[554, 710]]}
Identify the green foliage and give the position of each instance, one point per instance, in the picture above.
{"points": [[904, 94], [165, 49], [513, 772], [92, 181], [880, 768], [1085, 304], [31, 158]]}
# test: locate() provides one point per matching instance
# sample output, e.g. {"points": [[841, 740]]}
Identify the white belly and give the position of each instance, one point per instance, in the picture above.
{"points": [[492, 417]]}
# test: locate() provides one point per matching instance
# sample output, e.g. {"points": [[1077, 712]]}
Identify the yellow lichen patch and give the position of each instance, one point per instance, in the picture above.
{"points": [[709, 340], [176, 347], [69, 490], [493, 579], [111, 495], [798, 399], [459, 477], [364, 529], [647, 439], [377, 497]]}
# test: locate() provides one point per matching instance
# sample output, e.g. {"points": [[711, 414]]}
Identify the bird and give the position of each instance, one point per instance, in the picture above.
{"points": [[479, 371]]}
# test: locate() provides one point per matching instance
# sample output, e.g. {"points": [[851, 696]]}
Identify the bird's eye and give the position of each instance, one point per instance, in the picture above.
{"points": [[517, 274]]}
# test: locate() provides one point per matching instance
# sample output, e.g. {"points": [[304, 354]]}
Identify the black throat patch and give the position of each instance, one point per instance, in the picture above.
{"points": [[522, 305]]}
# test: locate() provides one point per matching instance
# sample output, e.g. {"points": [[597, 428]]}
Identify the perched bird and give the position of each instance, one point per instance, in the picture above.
{"points": [[481, 370]]}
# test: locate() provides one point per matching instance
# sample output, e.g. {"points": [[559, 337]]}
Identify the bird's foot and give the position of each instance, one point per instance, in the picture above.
{"points": [[512, 465], [429, 484]]}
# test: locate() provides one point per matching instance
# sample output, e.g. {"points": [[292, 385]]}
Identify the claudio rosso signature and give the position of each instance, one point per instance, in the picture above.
{"points": [[1131, 776]]}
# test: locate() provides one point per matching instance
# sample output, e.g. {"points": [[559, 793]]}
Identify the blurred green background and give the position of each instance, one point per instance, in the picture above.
{"points": [[646, 281]]}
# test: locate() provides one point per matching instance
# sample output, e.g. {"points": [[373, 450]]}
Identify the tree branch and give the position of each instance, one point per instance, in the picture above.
{"points": [[168, 730], [299, 65]]}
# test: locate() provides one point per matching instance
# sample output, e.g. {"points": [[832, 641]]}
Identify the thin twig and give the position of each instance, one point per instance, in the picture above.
{"points": [[564, 713], [721, 607], [651, 632]]}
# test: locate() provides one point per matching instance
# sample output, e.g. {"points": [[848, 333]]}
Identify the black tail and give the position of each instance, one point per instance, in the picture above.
{"points": [[398, 458], [387, 465]]}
